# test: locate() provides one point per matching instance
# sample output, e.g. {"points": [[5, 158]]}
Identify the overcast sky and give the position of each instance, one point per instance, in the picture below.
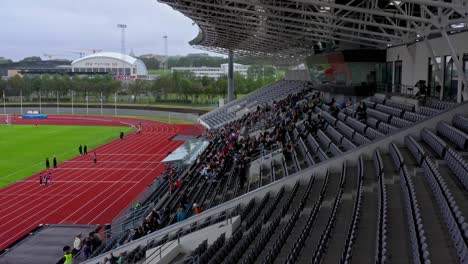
{"points": [[35, 27]]}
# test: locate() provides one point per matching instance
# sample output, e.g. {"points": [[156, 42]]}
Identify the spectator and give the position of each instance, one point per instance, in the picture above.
{"points": [[138, 205], [54, 162], [179, 184], [87, 241], [138, 233], [334, 110], [77, 244], [196, 209], [181, 214], [67, 256], [107, 261], [112, 258], [86, 253], [121, 258], [361, 112]]}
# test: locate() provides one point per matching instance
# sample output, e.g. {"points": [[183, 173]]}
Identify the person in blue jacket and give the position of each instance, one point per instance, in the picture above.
{"points": [[181, 214]]}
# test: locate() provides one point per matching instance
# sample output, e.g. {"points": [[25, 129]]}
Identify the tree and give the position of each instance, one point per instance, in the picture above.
{"points": [[16, 84], [3, 85], [151, 63], [137, 87], [5, 61], [32, 58]]}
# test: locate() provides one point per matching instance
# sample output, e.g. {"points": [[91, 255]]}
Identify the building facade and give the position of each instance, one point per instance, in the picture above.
{"points": [[119, 65], [213, 72]]}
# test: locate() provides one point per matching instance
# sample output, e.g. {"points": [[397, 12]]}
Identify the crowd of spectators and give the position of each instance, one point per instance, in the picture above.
{"points": [[238, 143], [83, 247]]}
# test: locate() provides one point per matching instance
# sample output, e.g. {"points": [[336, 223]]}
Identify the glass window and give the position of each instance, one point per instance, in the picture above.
{"points": [[434, 83], [450, 78], [398, 70]]}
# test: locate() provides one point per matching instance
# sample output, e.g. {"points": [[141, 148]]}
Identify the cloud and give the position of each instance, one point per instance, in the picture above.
{"points": [[32, 27]]}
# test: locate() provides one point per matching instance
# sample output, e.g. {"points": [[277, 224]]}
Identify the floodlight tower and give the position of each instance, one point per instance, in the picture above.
{"points": [[165, 53], [122, 41], [122, 44]]}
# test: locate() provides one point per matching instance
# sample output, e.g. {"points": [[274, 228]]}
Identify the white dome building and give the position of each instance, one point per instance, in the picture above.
{"points": [[113, 63]]}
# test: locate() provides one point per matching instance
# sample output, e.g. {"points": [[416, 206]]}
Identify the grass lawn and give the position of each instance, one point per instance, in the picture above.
{"points": [[23, 148]]}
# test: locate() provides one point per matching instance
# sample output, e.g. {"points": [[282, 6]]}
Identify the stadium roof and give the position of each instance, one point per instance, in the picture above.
{"points": [[114, 55], [288, 31]]}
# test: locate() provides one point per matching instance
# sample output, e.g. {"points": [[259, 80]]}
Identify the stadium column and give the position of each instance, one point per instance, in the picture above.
{"points": [[461, 71], [437, 67], [231, 76]]}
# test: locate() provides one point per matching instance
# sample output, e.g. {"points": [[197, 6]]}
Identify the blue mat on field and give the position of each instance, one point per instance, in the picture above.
{"points": [[39, 116]]}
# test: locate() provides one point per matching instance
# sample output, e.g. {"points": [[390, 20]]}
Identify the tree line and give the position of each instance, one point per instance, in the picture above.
{"points": [[173, 87]]}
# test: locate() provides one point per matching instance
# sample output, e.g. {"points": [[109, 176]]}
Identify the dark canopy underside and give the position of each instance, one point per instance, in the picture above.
{"points": [[285, 32]]}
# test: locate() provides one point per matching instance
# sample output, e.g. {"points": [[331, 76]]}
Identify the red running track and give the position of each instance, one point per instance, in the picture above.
{"points": [[87, 193]]}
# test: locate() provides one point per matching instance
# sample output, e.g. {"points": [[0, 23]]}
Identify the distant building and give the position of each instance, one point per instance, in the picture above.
{"points": [[213, 72], [120, 65], [35, 67], [198, 55]]}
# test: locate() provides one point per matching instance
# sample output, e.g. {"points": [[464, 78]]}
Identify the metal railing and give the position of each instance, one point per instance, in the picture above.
{"points": [[221, 217]]}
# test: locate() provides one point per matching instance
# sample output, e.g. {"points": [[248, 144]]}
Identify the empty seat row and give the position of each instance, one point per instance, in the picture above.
{"points": [[373, 134], [436, 143], [400, 105], [329, 118], [458, 166], [389, 110], [381, 232], [399, 122], [378, 99], [357, 207], [360, 139], [321, 248], [455, 135], [427, 111], [356, 125], [451, 214], [461, 122], [413, 117], [440, 105], [378, 115], [415, 224], [345, 129], [417, 235], [334, 134], [386, 128], [323, 139]]}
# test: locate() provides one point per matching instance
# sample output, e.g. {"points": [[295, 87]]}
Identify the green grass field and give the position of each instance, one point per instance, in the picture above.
{"points": [[23, 148]]}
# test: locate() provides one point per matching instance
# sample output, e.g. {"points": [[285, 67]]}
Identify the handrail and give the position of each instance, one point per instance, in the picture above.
{"points": [[171, 229], [161, 248]]}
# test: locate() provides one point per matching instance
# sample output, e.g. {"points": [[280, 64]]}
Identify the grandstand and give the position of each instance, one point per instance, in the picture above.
{"points": [[297, 173], [346, 186]]}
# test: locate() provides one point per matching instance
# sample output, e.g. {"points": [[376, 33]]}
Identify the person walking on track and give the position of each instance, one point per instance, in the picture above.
{"points": [[46, 179], [85, 149], [49, 178], [80, 149], [94, 158], [47, 163], [40, 179], [54, 161], [121, 135]]}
